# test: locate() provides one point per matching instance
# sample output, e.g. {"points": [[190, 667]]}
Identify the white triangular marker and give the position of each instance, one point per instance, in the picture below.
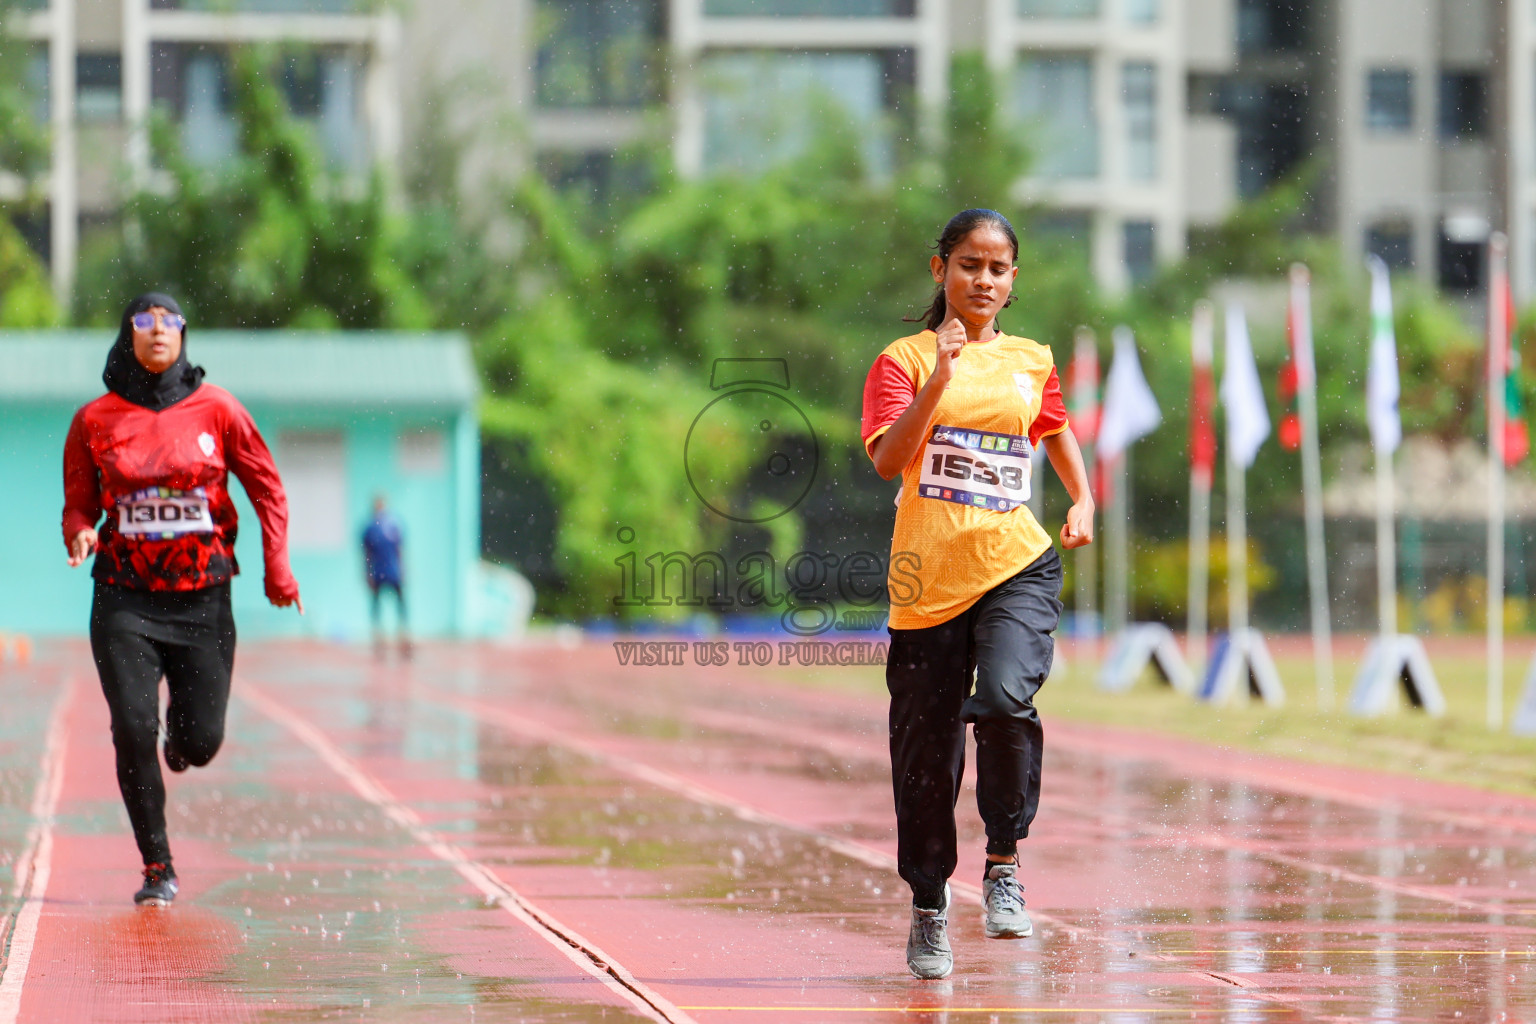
{"points": [[1242, 657], [1391, 659], [1138, 645]]}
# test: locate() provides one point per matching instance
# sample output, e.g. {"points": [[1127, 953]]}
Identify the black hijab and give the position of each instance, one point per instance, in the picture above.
{"points": [[126, 376]]}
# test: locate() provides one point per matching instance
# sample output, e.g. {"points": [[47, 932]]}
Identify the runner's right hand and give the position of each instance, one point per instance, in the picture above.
{"points": [[948, 341], [83, 544]]}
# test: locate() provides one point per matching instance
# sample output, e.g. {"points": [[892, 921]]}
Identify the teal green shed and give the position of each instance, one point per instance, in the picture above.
{"points": [[348, 415]]}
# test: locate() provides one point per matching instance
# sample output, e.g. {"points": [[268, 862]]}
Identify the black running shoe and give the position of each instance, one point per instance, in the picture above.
{"points": [[173, 760], [159, 887]]}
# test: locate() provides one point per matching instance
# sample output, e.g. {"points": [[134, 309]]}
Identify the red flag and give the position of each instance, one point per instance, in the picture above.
{"points": [[1083, 387], [1516, 440], [1298, 371], [1202, 398], [1202, 430], [1290, 423]]}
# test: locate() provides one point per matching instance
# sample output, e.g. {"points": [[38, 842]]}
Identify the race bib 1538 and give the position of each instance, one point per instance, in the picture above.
{"points": [[159, 513], [980, 468]]}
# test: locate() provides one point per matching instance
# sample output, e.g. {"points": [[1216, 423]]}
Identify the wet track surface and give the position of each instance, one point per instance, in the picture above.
{"points": [[539, 834]]}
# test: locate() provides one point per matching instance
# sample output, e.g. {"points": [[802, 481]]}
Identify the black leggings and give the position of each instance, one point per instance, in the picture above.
{"points": [[137, 637], [1004, 642]]}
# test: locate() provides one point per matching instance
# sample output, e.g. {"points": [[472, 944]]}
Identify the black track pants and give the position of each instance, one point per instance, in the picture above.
{"points": [[137, 637], [1004, 641]]}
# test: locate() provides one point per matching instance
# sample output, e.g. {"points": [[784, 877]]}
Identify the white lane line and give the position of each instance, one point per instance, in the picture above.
{"points": [[35, 864], [697, 793], [846, 746], [584, 954], [540, 733], [1073, 738]]}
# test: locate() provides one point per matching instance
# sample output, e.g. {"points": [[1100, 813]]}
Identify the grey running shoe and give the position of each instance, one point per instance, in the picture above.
{"points": [[928, 954], [159, 887], [1003, 897]]}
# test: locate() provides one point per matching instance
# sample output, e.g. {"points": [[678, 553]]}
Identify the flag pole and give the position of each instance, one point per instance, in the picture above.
{"points": [[1391, 656], [1498, 335], [1382, 392], [1312, 482], [1085, 400], [1130, 411], [1386, 547], [1237, 512], [1200, 506], [1237, 549], [1117, 586]]}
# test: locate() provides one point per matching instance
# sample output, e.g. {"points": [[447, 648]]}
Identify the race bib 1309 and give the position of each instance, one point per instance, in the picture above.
{"points": [[159, 513]]}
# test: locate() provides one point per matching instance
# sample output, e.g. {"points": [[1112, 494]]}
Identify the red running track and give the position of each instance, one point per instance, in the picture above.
{"points": [[540, 834]]}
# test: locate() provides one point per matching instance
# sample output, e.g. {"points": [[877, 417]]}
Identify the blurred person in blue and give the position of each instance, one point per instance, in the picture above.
{"points": [[382, 543]]}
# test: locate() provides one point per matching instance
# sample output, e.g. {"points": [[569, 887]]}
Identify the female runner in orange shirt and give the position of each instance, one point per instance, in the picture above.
{"points": [[959, 410]]}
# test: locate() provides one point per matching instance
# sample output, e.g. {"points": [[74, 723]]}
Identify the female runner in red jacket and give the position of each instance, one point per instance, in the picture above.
{"points": [[155, 454]]}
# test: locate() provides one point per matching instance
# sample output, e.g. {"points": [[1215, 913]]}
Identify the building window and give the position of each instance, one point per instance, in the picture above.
{"points": [[598, 53], [1389, 100], [594, 177], [1058, 8], [37, 82], [1140, 250], [1141, 12], [322, 87], [1271, 26], [809, 8], [1463, 105], [1138, 84], [201, 95], [1053, 99], [99, 86], [1459, 265], [1392, 241], [1459, 252], [267, 6], [1272, 139], [765, 108]]}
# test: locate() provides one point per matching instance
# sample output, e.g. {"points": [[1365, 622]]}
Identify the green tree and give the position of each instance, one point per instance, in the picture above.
{"points": [[617, 320], [270, 239], [26, 297]]}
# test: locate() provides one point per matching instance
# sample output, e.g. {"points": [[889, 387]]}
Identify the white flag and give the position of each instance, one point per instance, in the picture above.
{"points": [[1381, 386], [1241, 394], [1130, 411]]}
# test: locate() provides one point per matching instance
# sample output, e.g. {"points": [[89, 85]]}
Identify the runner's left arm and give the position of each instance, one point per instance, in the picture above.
{"points": [[1050, 429], [249, 458], [82, 493]]}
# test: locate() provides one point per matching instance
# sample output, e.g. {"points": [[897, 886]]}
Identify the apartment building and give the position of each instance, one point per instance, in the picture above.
{"points": [[1148, 119], [100, 66]]}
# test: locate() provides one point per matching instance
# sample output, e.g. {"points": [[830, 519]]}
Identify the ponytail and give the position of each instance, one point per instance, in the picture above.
{"points": [[934, 317]]}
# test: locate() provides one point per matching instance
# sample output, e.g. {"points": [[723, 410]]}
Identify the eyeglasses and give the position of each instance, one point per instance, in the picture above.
{"points": [[146, 321]]}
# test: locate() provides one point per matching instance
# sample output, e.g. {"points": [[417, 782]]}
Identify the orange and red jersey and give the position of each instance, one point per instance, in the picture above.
{"points": [[960, 531], [162, 480]]}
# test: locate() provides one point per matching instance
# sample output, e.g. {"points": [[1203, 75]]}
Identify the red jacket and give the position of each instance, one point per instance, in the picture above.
{"points": [[163, 479]]}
